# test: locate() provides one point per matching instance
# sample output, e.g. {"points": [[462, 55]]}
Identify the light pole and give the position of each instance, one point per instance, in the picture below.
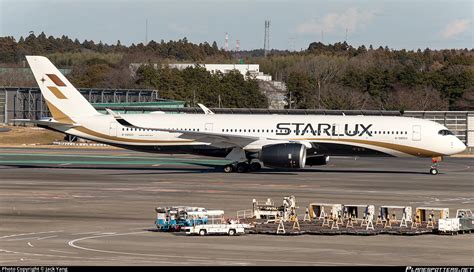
{"points": [[319, 94], [290, 100]]}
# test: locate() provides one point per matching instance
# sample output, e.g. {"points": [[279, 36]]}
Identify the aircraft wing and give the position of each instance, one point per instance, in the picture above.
{"points": [[251, 143], [215, 139]]}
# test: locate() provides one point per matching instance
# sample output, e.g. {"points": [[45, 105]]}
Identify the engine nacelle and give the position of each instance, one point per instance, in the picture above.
{"points": [[290, 155], [317, 160]]}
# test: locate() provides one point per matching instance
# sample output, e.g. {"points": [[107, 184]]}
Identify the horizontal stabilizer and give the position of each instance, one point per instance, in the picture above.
{"points": [[44, 122]]}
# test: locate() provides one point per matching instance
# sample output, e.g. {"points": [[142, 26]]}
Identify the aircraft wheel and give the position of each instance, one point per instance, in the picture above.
{"points": [[255, 166], [228, 168], [433, 171], [242, 167]]}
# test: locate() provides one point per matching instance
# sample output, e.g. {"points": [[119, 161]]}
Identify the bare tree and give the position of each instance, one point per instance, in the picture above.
{"points": [[324, 70], [423, 99]]}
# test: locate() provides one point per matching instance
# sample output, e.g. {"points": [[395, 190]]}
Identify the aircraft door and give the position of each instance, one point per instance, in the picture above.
{"points": [[208, 127], [416, 133], [113, 128]]}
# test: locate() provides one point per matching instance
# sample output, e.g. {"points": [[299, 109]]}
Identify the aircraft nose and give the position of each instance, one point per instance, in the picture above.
{"points": [[458, 146]]}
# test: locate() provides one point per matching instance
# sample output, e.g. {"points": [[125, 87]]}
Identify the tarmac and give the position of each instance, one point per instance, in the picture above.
{"points": [[96, 207]]}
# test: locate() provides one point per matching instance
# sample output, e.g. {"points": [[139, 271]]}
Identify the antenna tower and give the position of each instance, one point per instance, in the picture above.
{"points": [[226, 44], [266, 43]]}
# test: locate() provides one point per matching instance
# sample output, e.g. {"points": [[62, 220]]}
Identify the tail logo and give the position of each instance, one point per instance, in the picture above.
{"points": [[54, 90], [56, 80], [57, 92]]}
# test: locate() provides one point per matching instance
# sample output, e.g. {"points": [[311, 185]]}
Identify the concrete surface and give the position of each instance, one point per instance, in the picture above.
{"points": [[96, 207]]}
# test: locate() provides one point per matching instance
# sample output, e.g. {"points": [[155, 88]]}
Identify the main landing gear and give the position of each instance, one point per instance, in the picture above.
{"points": [[434, 166], [242, 167]]}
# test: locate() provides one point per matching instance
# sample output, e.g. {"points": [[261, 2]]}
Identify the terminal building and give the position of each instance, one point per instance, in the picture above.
{"points": [[247, 70]]}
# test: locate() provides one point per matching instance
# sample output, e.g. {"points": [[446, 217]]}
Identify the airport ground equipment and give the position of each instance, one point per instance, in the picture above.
{"points": [[267, 210], [462, 223], [176, 217], [358, 213], [431, 215], [466, 220], [320, 211], [389, 215], [289, 209], [216, 225]]}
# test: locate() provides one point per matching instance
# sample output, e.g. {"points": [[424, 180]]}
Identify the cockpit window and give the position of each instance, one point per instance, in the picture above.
{"points": [[445, 132]]}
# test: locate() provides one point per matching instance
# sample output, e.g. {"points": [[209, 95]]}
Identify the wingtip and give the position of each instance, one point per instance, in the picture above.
{"points": [[113, 113]]}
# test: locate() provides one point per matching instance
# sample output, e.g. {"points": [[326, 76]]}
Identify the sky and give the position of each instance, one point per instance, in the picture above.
{"points": [[294, 24]]}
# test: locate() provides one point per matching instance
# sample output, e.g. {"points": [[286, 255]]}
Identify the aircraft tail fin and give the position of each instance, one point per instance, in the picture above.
{"points": [[64, 101]]}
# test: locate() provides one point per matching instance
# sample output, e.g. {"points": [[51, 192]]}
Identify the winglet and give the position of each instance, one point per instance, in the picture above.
{"points": [[113, 113], [205, 109]]}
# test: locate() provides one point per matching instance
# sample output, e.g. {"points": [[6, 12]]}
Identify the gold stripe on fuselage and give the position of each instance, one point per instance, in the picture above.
{"points": [[61, 117], [419, 152], [127, 140]]}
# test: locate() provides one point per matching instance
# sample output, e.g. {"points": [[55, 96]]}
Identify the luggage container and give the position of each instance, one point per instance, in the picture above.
{"points": [[358, 212], [395, 213], [321, 210], [424, 214]]}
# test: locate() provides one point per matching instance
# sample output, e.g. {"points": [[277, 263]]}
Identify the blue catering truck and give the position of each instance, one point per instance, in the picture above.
{"points": [[176, 217]]}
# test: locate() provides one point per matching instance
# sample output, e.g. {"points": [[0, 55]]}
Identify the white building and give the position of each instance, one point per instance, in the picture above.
{"points": [[252, 69]]}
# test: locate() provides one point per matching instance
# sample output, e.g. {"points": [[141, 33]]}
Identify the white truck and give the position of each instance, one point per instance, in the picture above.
{"points": [[230, 229], [216, 225]]}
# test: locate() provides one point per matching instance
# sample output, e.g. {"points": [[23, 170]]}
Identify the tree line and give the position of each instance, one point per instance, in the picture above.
{"points": [[333, 76], [12, 51], [339, 76]]}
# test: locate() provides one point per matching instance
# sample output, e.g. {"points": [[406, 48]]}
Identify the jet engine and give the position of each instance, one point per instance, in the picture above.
{"points": [[317, 160], [287, 155]]}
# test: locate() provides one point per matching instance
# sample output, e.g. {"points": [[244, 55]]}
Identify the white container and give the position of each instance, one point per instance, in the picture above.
{"points": [[448, 224]]}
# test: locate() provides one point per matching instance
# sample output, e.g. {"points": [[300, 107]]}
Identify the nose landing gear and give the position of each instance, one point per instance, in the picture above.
{"points": [[434, 165], [433, 170]]}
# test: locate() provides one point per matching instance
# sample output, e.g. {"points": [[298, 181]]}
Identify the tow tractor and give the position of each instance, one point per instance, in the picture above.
{"points": [[216, 224]]}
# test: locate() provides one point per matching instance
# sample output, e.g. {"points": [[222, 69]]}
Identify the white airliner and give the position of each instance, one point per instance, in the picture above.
{"points": [[249, 141]]}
